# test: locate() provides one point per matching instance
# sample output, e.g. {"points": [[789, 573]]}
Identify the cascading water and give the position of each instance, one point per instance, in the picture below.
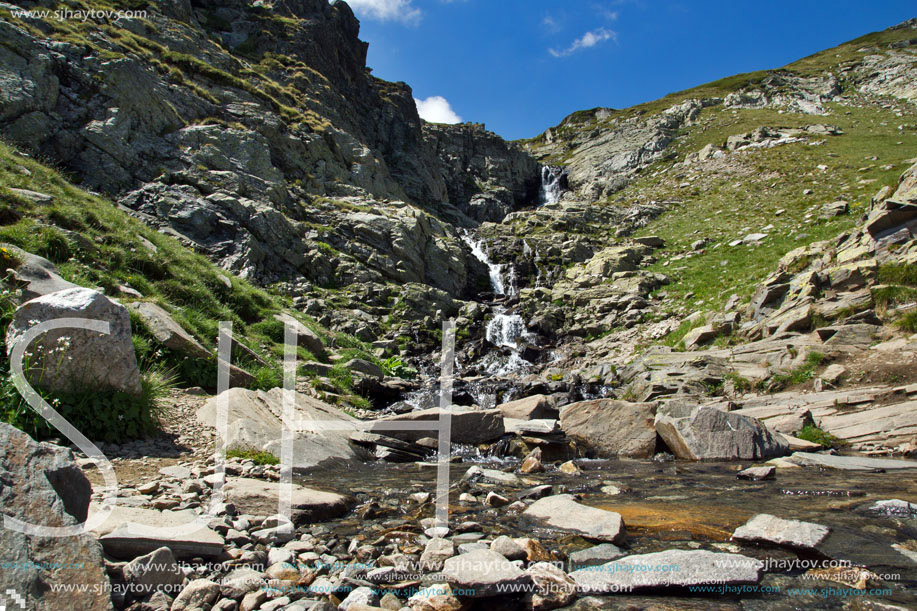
{"points": [[553, 183], [504, 329], [495, 270]]}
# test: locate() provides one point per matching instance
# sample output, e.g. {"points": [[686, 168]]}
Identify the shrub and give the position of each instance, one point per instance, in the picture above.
{"points": [[260, 457]]}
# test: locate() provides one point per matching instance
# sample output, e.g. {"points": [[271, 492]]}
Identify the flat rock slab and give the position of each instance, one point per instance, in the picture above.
{"points": [[668, 569], [493, 476], [259, 497], [562, 512], [469, 425], [483, 573], [321, 432], [850, 463], [895, 508], [130, 532], [765, 528], [592, 556]]}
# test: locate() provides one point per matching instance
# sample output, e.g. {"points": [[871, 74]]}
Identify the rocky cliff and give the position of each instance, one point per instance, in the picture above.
{"points": [[258, 136]]}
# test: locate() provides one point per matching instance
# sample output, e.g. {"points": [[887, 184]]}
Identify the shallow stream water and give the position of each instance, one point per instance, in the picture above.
{"points": [[680, 505]]}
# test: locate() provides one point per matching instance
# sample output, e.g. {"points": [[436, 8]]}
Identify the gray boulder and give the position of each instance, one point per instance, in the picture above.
{"points": [[72, 359], [259, 497], [612, 428], [305, 337], [711, 434], [40, 483]]}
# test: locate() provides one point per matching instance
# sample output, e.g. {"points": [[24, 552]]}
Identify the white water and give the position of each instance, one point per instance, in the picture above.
{"points": [[495, 270], [551, 184], [503, 329]]}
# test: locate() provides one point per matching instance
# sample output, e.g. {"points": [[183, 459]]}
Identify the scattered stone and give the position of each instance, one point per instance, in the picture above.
{"points": [[436, 552], [360, 597], [508, 548], [469, 425], [495, 500], [895, 508], [476, 473], [35, 276], [569, 468], [562, 512], [790, 533], [553, 587], [532, 463], [168, 332], [437, 597], [198, 595], [154, 572]]}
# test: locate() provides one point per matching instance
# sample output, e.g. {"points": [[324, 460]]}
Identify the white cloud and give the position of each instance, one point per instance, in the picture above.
{"points": [[586, 41], [436, 109], [387, 10]]}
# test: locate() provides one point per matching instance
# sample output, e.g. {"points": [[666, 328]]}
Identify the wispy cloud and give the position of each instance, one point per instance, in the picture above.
{"points": [[586, 41], [551, 24], [436, 109], [387, 10]]}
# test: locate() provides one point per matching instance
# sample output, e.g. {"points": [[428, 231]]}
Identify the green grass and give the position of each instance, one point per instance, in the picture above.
{"points": [[816, 435], [897, 273], [260, 457], [799, 375]]}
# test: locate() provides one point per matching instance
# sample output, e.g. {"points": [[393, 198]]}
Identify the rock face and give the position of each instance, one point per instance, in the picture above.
{"points": [[669, 569], [41, 484], [612, 428], [483, 574], [72, 359], [562, 512], [255, 422], [711, 434], [764, 528], [233, 187]]}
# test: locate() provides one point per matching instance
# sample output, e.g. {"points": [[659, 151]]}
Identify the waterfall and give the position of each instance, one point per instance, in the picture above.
{"points": [[553, 183], [495, 270], [503, 329]]}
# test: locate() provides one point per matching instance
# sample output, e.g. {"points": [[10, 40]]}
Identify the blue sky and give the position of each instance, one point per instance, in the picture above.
{"points": [[520, 66]]}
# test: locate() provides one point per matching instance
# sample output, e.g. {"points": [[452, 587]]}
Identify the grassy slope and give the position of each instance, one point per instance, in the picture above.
{"points": [[724, 206], [96, 244]]}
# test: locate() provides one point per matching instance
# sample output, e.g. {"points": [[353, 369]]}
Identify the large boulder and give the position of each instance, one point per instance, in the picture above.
{"points": [[129, 532], [469, 425], [708, 433], [40, 483], [73, 359], [321, 432], [612, 428]]}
